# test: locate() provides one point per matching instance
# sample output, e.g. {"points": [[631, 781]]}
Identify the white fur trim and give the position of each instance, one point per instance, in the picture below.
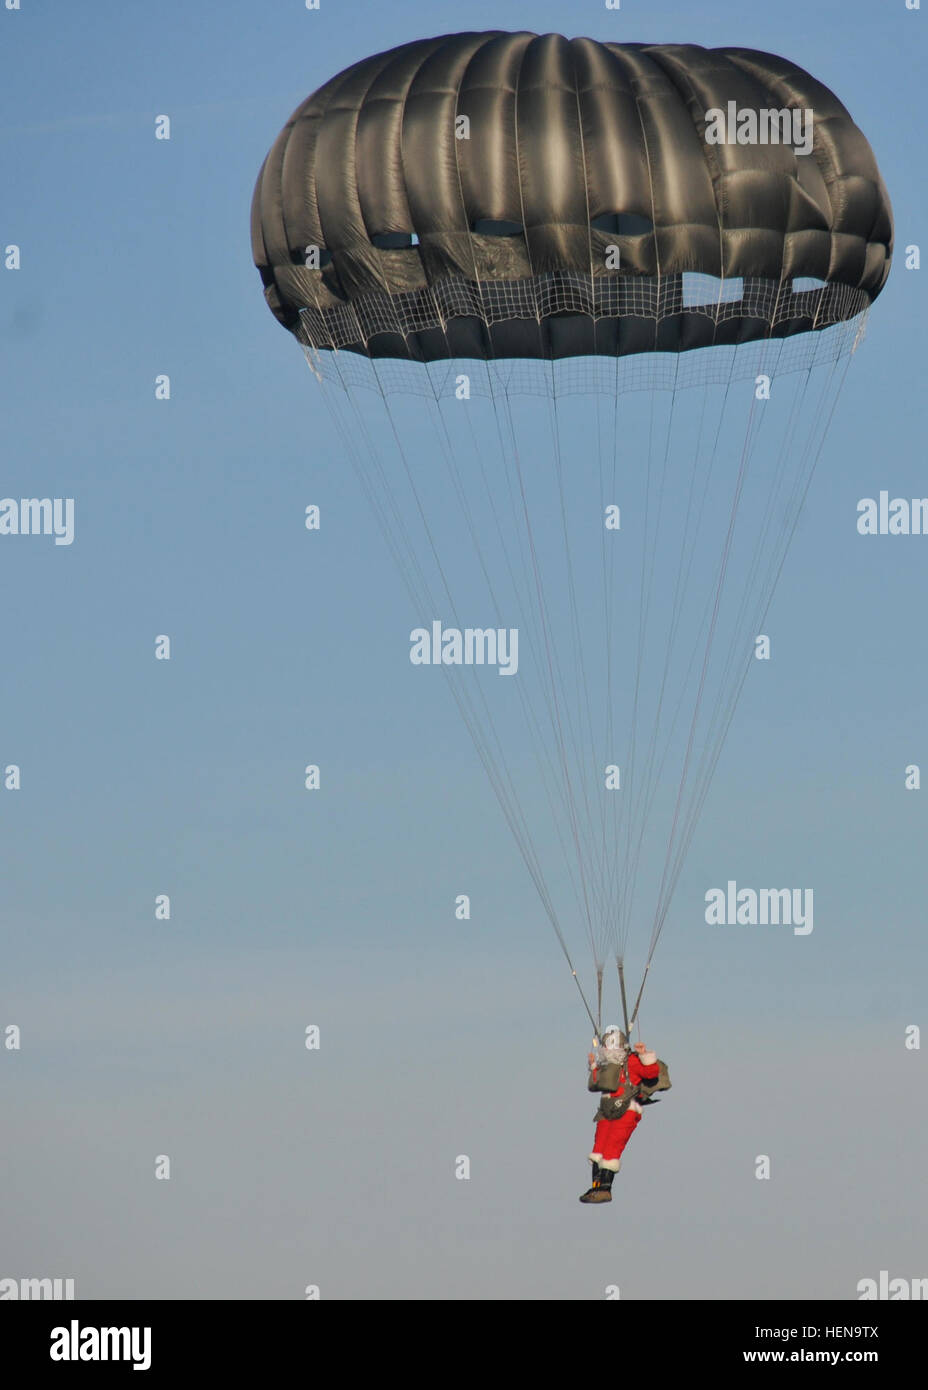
{"points": [[633, 1105], [613, 1164], [594, 1158], [647, 1059]]}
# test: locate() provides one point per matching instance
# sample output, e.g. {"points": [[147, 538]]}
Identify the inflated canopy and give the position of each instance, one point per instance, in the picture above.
{"points": [[515, 195]]}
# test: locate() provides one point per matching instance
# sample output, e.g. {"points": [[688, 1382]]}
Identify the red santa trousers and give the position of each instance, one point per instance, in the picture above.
{"points": [[611, 1137]]}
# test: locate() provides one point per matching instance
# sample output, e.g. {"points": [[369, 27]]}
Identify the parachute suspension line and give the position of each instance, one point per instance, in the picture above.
{"points": [[585, 756], [635, 797], [774, 577], [723, 568], [621, 966], [543, 763], [680, 591], [420, 594], [682, 579], [609, 612], [560, 704], [599, 999], [474, 728], [643, 788], [684, 568], [604, 857], [738, 652], [610, 831], [583, 688], [616, 806], [805, 471], [566, 736], [710, 752], [581, 737], [552, 679], [454, 469], [409, 567], [791, 510], [418, 589], [614, 749], [664, 895], [815, 451], [801, 484], [638, 1000], [524, 533], [626, 817], [640, 785], [504, 793], [641, 804], [602, 732], [521, 687], [550, 778], [810, 454], [589, 1011], [553, 800]]}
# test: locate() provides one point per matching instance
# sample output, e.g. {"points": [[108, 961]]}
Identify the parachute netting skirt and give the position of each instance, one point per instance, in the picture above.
{"points": [[626, 511]]}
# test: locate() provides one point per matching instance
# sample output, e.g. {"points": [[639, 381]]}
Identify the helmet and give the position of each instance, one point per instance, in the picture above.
{"points": [[614, 1039]]}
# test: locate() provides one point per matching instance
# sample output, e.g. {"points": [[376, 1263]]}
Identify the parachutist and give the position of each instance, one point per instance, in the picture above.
{"points": [[626, 1077]]}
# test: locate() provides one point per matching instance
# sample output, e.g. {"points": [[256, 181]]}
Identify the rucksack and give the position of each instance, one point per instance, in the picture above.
{"points": [[663, 1083], [607, 1079]]}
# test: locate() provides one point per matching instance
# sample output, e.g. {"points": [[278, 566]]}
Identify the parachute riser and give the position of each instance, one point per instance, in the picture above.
{"points": [[634, 1017], [621, 966], [589, 1011]]}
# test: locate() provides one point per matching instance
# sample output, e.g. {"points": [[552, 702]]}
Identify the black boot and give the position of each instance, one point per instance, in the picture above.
{"points": [[601, 1191]]}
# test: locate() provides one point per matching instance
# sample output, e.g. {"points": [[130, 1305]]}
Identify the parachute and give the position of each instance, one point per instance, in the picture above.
{"points": [[581, 313]]}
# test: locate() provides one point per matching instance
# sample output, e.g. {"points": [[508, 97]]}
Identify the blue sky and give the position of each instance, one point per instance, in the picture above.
{"points": [[141, 777]]}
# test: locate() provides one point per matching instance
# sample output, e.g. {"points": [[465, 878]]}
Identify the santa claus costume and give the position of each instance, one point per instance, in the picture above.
{"points": [[639, 1073]]}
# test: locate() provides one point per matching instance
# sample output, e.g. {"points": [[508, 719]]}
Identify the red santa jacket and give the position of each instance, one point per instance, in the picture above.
{"points": [[641, 1066]]}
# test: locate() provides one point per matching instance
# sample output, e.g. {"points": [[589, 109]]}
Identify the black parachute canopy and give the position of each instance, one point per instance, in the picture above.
{"points": [[518, 195]]}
